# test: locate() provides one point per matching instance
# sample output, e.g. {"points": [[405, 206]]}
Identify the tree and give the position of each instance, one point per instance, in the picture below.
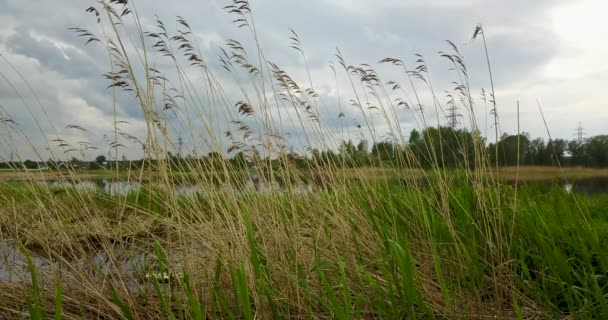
{"points": [[239, 161], [444, 147], [293, 158], [214, 160], [536, 152], [597, 150], [384, 151], [362, 153], [578, 156], [100, 161], [509, 147], [74, 163], [556, 151], [348, 153], [29, 164], [414, 136]]}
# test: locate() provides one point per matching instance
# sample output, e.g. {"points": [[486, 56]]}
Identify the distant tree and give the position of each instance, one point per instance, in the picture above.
{"points": [[214, 160], [414, 136], [239, 160], [509, 147], [578, 155], [384, 151], [596, 149], [329, 157], [362, 155], [348, 153], [444, 147], [536, 152], [100, 161], [52, 164], [74, 163], [295, 159], [555, 152], [29, 164], [215, 155]]}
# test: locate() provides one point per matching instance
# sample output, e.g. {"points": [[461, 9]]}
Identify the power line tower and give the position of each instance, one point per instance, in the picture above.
{"points": [[453, 115], [580, 132], [180, 143]]}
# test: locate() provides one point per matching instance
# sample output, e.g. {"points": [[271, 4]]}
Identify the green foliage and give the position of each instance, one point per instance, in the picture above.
{"points": [[509, 148], [34, 303], [384, 151], [58, 300], [596, 150], [120, 303], [445, 147]]}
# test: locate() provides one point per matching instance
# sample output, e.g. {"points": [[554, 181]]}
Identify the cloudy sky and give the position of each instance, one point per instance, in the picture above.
{"points": [[550, 50]]}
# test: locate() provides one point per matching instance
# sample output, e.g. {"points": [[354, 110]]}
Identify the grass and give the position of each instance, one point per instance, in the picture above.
{"points": [[395, 254], [386, 243]]}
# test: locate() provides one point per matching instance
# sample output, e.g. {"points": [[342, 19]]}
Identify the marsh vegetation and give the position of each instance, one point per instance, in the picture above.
{"points": [[426, 224]]}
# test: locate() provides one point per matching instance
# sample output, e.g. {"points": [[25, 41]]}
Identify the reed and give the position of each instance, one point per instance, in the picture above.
{"points": [[416, 241]]}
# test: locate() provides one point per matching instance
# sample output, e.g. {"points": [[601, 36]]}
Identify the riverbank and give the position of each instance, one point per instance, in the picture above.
{"points": [[509, 174]]}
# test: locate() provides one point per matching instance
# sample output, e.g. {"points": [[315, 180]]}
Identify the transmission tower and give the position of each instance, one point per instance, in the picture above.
{"points": [[453, 115], [580, 132], [180, 143]]}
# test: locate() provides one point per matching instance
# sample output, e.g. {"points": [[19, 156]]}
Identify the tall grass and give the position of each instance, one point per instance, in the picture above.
{"points": [[446, 244]]}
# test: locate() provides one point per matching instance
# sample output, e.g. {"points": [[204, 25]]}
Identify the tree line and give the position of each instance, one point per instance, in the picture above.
{"points": [[446, 147], [442, 147]]}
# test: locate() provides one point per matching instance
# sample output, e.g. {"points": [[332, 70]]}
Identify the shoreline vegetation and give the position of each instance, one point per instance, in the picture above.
{"points": [[506, 174], [427, 237]]}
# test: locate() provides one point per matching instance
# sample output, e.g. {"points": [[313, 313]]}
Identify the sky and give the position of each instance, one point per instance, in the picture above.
{"points": [[544, 52]]}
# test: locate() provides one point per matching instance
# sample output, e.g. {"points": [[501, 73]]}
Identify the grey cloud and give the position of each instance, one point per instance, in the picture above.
{"points": [[519, 41], [67, 61]]}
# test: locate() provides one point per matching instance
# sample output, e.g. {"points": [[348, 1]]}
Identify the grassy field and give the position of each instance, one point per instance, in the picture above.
{"points": [[360, 243], [445, 249]]}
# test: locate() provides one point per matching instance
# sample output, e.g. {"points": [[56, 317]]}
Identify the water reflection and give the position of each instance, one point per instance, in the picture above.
{"points": [[255, 186], [113, 188], [182, 189], [134, 266], [587, 186], [14, 266]]}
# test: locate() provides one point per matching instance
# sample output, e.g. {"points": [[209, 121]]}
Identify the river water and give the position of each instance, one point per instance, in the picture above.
{"points": [[121, 187]]}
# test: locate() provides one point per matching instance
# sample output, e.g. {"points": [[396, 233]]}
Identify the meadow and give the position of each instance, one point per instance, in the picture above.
{"points": [[416, 240]]}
